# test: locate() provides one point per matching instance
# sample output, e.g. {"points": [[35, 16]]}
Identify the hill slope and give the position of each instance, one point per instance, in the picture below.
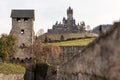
{"points": [[79, 42], [104, 28], [66, 36]]}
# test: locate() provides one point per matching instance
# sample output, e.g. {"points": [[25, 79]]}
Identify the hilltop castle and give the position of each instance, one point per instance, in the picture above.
{"points": [[68, 25]]}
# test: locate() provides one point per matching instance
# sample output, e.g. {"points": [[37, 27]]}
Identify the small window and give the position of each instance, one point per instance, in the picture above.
{"points": [[23, 45], [18, 58], [18, 19], [22, 31], [26, 19], [13, 58]]}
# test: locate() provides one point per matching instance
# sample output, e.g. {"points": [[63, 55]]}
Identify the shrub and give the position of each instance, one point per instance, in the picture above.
{"points": [[61, 37], [41, 69]]}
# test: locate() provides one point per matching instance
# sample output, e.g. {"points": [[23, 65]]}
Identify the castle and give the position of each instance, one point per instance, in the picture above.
{"points": [[68, 25], [22, 28], [100, 60]]}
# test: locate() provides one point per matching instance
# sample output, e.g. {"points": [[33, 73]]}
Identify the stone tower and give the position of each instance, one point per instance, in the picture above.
{"points": [[70, 20], [69, 13], [22, 28]]}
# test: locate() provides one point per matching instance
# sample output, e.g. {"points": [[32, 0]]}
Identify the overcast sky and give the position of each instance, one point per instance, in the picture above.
{"points": [[47, 12]]}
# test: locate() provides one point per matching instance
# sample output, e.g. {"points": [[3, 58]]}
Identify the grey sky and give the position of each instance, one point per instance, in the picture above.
{"points": [[47, 12]]}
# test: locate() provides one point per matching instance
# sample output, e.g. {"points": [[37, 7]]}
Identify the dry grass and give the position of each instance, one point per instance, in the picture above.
{"points": [[8, 68], [80, 42]]}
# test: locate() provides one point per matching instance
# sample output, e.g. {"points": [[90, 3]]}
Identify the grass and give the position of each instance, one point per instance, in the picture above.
{"points": [[80, 42], [8, 68]]}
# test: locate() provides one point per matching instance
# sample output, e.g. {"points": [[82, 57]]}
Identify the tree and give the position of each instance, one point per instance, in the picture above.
{"points": [[7, 46], [43, 51], [46, 39], [40, 32], [88, 28], [61, 37]]}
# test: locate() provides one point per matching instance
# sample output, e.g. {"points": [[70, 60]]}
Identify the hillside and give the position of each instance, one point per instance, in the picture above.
{"points": [[79, 42], [67, 36], [104, 28]]}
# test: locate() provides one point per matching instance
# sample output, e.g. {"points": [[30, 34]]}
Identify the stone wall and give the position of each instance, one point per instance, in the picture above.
{"points": [[67, 36], [67, 52], [24, 32], [100, 60], [11, 76]]}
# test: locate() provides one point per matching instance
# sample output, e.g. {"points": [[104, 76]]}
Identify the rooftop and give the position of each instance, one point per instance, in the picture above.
{"points": [[22, 13]]}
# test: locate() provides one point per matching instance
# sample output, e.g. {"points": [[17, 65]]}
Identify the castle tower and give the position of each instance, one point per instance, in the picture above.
{"points": [[22, 28], [69, 13], [64, 21], [70, 20]]}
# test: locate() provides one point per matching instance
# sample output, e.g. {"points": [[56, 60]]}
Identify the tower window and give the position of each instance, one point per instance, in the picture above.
{"points": [[22, 31], [18, 19], [26, 19], [22, 46]]}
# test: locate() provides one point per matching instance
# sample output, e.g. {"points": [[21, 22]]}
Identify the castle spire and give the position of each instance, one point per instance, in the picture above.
{"points": [[70, 13], [69, 10]]}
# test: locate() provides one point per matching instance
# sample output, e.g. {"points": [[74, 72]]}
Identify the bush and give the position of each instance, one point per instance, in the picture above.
{"points": [[41, 69], [46, 39], [7, 46], [71, 39], [62, 38]]}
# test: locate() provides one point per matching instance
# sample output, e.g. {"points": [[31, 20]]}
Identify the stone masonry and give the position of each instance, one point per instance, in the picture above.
{"points": [[100, 60], [11, 76], [22, 28]]}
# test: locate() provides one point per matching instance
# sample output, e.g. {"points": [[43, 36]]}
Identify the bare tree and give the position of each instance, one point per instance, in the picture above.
{"points": [[88, 27], [40, 32], [43, 51]]}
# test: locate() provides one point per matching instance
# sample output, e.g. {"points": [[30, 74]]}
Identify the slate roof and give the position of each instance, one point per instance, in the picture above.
{"points": [[22, 13]]}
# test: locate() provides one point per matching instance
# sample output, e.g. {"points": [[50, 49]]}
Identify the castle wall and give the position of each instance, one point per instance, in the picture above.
{"points": [[100, 60], [67, 52], [24, 32]]}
